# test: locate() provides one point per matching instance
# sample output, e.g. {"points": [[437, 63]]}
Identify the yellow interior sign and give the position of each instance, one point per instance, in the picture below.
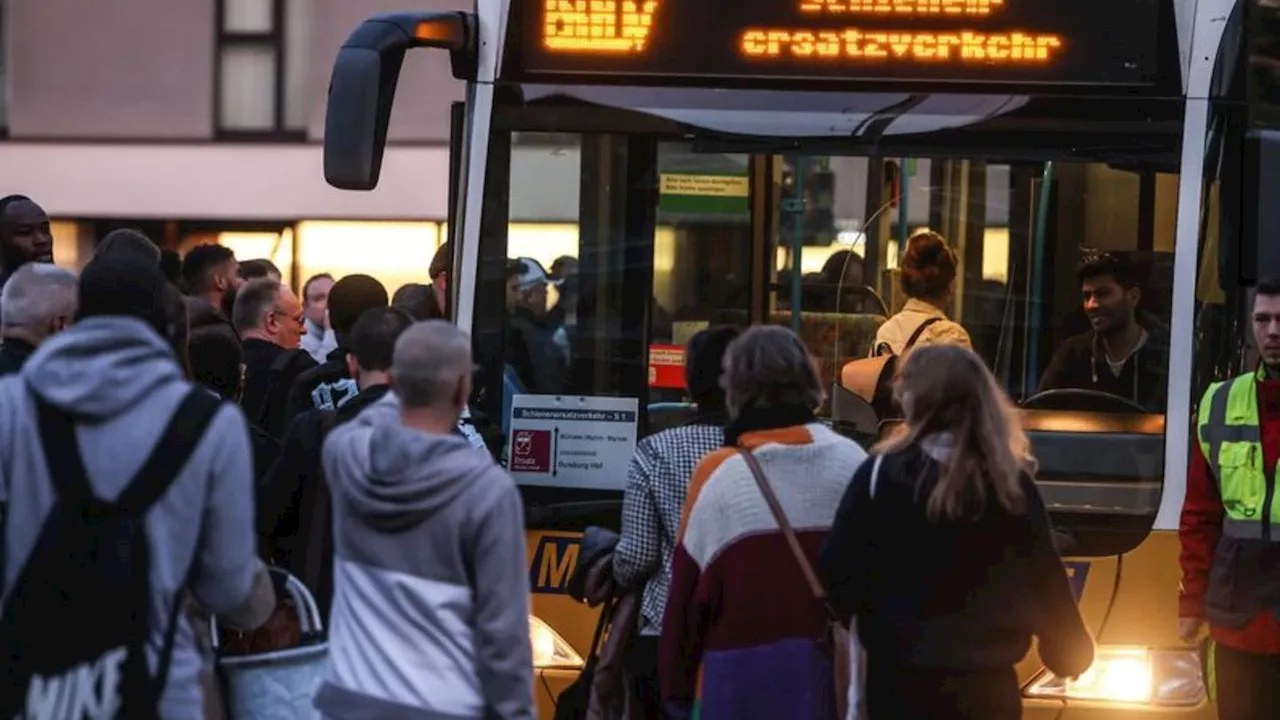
{"points": [[705, 185]]}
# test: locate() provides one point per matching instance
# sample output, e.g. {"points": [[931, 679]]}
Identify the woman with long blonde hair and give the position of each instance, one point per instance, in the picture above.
{"points": [[941, 549]]}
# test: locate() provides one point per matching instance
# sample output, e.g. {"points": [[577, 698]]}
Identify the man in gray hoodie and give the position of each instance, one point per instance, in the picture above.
{"points": [[430, 617], [115, 373]]}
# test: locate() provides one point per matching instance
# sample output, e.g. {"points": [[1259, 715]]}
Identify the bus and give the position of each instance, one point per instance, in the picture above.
{"points": [[693, 165]]}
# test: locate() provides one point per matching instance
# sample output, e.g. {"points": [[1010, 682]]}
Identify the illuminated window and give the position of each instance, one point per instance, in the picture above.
{"points": [[69, 246], [394, 253], [262, 66], [276, 247]]}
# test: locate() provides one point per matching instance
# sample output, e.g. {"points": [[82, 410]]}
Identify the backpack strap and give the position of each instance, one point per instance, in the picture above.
{"points": [[775, 507], [185, 430], [915, 336], [62, 453]]}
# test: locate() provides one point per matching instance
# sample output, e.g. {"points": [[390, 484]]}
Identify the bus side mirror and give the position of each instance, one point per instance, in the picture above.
{"points": [[363, 87], [1260, 227]]}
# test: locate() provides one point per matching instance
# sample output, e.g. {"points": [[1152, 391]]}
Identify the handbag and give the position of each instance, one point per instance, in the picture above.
{"points": [[835, 637]]}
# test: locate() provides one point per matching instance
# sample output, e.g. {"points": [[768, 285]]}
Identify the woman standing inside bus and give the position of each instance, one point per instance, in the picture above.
{"points": [[941, 550], [928, 271]]}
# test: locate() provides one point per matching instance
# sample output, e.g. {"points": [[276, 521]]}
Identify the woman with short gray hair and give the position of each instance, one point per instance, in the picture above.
{"points": [[740, 611]]}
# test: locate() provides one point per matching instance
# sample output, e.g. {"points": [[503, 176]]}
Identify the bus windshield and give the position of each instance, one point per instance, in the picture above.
{"points": [[602, 253]]}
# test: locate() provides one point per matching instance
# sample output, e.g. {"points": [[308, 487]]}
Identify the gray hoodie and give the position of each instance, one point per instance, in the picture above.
{"points": [[123, 376], [430, 615]]}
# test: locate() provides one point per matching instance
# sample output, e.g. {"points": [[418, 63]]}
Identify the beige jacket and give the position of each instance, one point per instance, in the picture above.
{"points": [[898, 329]]}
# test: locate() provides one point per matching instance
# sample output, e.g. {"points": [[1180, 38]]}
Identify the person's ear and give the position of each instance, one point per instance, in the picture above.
{"points": [[59, 323], [462, 391], [353, 367]]}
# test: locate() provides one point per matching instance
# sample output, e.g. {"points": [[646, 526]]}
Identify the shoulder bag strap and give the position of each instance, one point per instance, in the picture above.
{"points": [[775, 507], [915, 336], [875, 475]]}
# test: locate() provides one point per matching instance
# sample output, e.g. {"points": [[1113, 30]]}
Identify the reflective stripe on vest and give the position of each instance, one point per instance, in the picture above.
{"points": [[1231, 439]]}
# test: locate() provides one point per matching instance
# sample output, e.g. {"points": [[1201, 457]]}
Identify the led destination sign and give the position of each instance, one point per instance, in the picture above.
{"points": [[1090, 42]]}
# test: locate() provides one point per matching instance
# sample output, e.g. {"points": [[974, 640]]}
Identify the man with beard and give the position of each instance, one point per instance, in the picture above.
{"points": [[1124, 353], [24, 235]]}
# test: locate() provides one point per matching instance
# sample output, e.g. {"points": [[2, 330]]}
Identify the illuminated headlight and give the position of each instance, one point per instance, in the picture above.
{"points": [[549, 649], [1129, 675]]}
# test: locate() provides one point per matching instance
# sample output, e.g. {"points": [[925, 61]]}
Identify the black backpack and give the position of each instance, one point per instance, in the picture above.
{"points": [[76, 625]]}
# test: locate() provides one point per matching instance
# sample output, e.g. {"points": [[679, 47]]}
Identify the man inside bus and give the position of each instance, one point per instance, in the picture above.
{"points": [[1124, 353], [1228, 561], [24, 235], [531, 346]]}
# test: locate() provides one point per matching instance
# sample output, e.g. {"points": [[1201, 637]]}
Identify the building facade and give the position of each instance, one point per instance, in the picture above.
{"points": [[202, 120]]}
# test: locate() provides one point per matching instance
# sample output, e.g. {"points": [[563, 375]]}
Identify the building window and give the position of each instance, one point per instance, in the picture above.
{"points": [[262, 68]]}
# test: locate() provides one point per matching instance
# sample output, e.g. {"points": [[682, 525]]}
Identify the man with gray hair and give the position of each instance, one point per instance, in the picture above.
{"points": [[38, 301], [268, 317], [429, 566]]}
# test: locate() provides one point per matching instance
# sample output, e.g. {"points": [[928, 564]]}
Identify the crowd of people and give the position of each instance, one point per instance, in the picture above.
{"points": [[198, 416], [205, 423]]}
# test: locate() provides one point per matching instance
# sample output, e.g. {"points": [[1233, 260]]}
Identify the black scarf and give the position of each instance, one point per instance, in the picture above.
{"points": [[709, 415], [753, 418]]}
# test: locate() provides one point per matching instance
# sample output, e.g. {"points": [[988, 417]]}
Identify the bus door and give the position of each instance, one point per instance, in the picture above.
{"points": [[600, 255]]}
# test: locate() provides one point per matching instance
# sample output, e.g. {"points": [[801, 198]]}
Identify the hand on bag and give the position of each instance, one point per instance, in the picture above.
{"points": [[1189, 629]]}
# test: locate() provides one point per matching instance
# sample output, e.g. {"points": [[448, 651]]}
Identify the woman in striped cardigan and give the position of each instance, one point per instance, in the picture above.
{"points": [[740, 637]]}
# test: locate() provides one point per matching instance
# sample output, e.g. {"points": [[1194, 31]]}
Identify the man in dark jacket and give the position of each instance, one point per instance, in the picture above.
{"points": [[531, 345], [268, 318], [293, 519], [38, 301], [217, 364], [330, 385], [1125, 353]]}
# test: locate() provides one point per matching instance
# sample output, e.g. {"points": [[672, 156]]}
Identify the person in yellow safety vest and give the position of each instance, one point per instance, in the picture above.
{"points": [[1230, 530]]}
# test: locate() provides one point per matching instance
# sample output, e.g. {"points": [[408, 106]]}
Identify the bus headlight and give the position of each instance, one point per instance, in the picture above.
{"points": [[549, 649], [1129, 675]]}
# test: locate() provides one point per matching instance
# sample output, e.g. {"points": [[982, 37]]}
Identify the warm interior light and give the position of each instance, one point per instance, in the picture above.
{"points": [[394, 253], [1129, 675], [276, 247]]}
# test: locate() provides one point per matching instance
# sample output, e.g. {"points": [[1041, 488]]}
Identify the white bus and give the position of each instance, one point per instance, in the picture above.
{"points": [[763, 161]]}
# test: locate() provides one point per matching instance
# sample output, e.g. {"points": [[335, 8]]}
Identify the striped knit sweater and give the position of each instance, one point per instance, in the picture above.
{"points": [[741, 628]]}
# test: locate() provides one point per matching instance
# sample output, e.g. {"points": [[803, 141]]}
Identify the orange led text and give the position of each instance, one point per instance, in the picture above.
{"points": [[619, 27], [1001, 48], [900, 7]]}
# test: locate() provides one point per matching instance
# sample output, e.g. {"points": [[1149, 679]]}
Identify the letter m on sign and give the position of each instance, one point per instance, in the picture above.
{"points": [[553, 561]]}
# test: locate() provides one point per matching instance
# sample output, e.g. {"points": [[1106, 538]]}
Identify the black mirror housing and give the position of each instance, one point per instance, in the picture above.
{"points": [[362, 87]]}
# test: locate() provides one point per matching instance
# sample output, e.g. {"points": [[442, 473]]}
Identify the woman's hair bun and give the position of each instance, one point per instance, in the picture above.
{"points": [[928, 266]]}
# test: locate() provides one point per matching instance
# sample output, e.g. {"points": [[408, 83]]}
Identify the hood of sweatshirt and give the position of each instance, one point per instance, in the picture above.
{"points": [[101, 366], [395, 477]]}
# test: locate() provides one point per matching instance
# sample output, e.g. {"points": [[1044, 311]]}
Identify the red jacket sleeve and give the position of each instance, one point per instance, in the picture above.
{"points": [[1201, 526]]}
